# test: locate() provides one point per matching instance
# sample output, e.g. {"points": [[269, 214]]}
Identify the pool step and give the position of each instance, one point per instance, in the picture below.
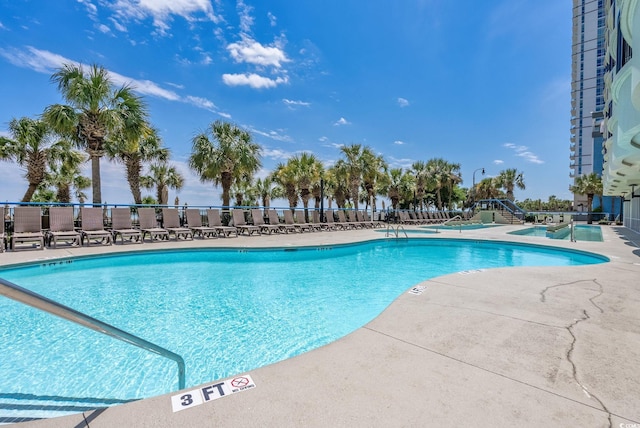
{"points": [[18, 407]]}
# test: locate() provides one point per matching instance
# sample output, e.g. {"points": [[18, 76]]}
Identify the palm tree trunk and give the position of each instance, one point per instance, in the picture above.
{"points": [[95, 178], [64, 194], [134, 168], [225, 181], [29, 193], [305, 195], [589, 203]]}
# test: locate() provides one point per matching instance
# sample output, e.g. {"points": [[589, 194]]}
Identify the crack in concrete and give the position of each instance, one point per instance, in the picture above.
{"points": [[574, 367], [570, 330], [543, 297], [493, 372]]}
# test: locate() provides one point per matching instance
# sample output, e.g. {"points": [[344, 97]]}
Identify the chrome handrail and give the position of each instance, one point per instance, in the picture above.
{"points": [[43, 303]]}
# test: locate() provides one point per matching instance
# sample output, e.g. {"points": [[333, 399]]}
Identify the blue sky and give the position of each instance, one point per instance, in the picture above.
{"points": [[481, 83]]}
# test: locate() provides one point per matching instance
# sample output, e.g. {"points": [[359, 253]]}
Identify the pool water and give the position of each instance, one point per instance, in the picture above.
{"points": [[581, 233], [224, 311]]}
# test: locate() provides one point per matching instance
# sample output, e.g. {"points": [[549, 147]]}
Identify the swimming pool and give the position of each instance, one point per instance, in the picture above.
{"points": [[581, 233], [225, 311]]}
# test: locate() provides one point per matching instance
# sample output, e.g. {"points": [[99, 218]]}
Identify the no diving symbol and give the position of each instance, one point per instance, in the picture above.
{"points": [[239, 382]]}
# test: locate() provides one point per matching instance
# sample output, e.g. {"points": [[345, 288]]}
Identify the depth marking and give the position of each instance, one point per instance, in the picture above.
{"points": [[195, 397]]}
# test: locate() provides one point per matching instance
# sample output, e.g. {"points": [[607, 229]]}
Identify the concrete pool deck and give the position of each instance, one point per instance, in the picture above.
{"points": [[527, 346]]}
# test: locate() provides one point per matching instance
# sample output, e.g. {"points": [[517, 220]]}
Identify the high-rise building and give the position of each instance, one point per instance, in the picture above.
{"points": [[587, 97], [621, 121]]}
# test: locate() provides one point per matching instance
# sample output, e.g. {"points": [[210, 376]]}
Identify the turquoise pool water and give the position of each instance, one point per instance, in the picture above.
{"points": [[225, 311], [581, 233]]}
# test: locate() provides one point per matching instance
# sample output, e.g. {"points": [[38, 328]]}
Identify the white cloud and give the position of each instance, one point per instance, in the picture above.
{"points": [[342, 121], [92, 10], [293, 103], [403, 102], [276, 154], [46, 62], [162, 11], [399, 143], [400, 163], [253, 80], [104, 29], [523, 152], [2, 27], [250, 51], [498, 162], [146, 87], [244, 12], [34, 59], [200, 102], [272, 19], [278, 135], [117, 25]]}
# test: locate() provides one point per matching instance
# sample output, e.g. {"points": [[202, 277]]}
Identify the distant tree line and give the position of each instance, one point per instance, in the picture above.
{"points": [[100, 120]]}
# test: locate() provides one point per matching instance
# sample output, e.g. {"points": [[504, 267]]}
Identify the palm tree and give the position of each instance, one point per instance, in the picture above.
{"points": [[353, 163], [264, 189], [31, 148], [285, 177], [374, 170], [508, 179], [421, 174], [308, 171], [245, 193], [452, 179], [224, 154], [133, 152], [486, 189], [336, 183], [162, 176], [397, 185], [437, 177], [65, 174], [589, 185], [94, 112]]}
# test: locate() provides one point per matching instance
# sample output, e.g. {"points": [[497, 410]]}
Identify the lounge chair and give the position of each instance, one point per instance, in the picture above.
{"points": [[3, 237], [288, 219], [405, 219], [93, 227], [61, 227], [331, 222], [275, 220], [353, 219], [149, 225], [194, 221], [240, 223], [343, 221], [171, 222], [319, 225], [376, 223], [258, 220], [213, 216], [304, 224], [366, 223], [27, 226], [121, 225]]}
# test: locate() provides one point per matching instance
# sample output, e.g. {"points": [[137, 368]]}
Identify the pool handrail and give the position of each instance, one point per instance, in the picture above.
{"points": [[38, 301]]}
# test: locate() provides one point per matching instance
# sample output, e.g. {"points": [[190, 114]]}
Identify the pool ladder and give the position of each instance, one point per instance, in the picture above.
{"points": [[395, 230], [38, 301]]}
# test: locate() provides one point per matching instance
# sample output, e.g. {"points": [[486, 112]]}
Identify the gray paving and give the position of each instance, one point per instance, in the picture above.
{"points": [[526, 347]]}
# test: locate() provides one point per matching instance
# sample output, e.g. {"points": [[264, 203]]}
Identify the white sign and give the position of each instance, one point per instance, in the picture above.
{"points": [[418, 289], [211, 392]]}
